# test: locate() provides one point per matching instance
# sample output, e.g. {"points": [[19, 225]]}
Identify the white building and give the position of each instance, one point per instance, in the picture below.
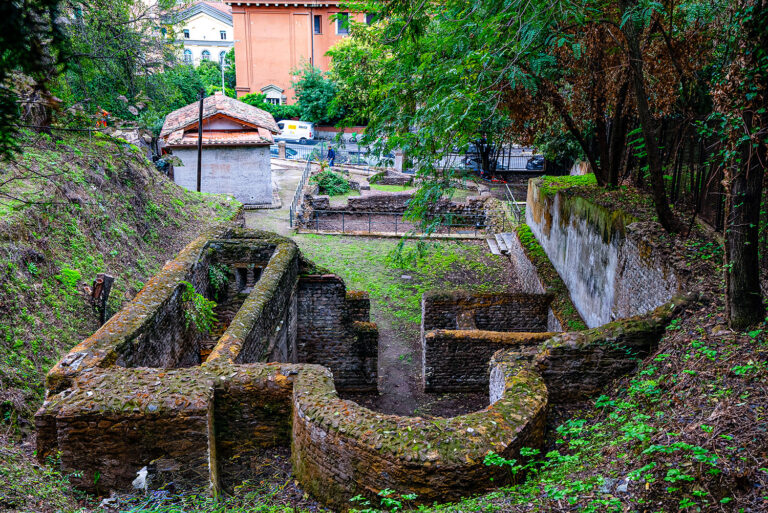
{"points": [[205, 31], [235, 148]]}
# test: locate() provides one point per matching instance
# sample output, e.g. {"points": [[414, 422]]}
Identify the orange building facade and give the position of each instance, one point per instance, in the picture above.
{"points": [[272, 39]]}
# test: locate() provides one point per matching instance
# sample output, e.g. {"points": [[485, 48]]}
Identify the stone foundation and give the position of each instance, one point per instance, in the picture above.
{"points": [[204, 425]]}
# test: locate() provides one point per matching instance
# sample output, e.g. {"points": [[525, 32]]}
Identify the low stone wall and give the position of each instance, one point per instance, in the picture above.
{"points": [[484, 311], [606, 259], [203, 427], [90, 392], [457, 360], [391, 177], [578, 365], [341, 449], [135, 325], [388, 202]]}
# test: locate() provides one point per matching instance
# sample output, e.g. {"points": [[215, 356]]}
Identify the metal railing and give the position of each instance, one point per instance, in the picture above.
{"points": [[514, 206], [296, 202], [344, 221], [362, 157]]}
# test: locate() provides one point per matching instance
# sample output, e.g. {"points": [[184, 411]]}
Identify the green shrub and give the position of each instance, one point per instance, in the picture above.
{"points": [[197, 309], [278, 111], [375, 178], [330, 183]]}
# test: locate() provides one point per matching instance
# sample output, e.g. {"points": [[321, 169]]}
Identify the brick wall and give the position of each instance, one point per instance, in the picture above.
{"points": [[492, 311], [328, 334], [457, 360], [340, 449]]}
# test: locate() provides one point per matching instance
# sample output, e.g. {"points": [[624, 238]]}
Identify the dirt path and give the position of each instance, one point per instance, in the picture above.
{"points": [[287, 177]]}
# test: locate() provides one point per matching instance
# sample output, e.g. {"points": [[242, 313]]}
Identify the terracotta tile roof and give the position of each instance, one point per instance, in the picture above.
{"points": [[221, 6], [219, 104], [260, 137]]}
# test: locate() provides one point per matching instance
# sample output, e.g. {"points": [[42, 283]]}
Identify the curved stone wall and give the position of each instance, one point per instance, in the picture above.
{"points": [[203, 426], [340, 449]]}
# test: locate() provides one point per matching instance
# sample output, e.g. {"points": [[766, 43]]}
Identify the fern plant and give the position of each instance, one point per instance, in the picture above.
{"points": [[197, 309], [218, 276]]}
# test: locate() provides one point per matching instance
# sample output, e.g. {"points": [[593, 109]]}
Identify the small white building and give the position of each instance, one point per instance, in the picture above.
{"points": [[205, 31], [235, 140]]}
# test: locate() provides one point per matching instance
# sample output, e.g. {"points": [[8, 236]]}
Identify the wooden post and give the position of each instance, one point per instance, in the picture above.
{"points": [[200, 141]]}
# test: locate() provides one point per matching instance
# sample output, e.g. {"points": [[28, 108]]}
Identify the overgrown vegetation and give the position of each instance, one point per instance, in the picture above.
{"points": [[331, 183], [561, 304], [198, 311], [70, 208]]}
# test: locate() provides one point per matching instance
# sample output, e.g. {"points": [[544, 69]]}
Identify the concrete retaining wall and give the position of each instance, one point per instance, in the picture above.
{"points": [[605, 259]]}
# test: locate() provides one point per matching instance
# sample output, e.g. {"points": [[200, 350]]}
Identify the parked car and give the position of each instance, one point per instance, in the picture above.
{"points": [[535, 163], [298, 131], [290, 153]]}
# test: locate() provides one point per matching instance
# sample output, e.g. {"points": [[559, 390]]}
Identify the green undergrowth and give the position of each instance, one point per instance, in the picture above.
{"points": [[561, 304], [686, 432], [73, 207], [396, 280]]}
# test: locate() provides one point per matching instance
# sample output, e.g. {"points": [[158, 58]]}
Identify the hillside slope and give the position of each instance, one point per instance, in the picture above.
{"points": [[70, 208]]}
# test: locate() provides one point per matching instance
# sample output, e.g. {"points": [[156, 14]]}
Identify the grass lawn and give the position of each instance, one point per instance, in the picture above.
{"points": [[396, 282], [392, 188]]}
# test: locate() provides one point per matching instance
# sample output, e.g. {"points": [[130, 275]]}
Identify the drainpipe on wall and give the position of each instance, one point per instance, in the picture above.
{"points": [[200, 141], [312, 36]]}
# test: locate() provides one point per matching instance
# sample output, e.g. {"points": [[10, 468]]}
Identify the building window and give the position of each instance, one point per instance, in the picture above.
{"points": [[370, 18], [318, 24], [187, 56], [273, 101], [205, 56], [186, 33], [222, 56], [342, 23], [223, 34]]}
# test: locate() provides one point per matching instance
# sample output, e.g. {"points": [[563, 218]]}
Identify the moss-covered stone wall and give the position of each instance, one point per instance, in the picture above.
{"points": [[202, 426], [457, 360]]}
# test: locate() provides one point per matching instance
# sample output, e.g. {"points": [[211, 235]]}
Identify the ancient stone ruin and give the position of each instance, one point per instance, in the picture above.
{"points": [[150, 390]]}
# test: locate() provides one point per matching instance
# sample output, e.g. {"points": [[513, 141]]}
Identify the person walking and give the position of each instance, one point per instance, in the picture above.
{"points": [[331, 156]]}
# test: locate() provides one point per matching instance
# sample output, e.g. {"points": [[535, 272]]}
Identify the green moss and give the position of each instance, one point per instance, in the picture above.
{"points": [[562, 306], [551, 185]]}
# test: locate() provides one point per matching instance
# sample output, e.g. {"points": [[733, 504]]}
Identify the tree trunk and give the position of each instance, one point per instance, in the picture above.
{"points": [[745, 302], [655, 168]]}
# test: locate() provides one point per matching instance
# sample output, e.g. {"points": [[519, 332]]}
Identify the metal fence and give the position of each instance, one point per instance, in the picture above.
{"points": [[362, 157], [508, 159], [332, 221], [296, 201]]}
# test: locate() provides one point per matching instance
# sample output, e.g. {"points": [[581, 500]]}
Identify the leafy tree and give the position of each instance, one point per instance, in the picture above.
{"points": [[277, 111], [209, 73], [315, 92], [121, 61], [31, 40], [741, 121]]}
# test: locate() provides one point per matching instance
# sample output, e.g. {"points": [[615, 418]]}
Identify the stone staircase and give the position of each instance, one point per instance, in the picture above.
{"points": [[500, 243]]}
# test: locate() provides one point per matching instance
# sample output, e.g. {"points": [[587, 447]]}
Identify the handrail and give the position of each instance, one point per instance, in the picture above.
{"points": [[514, 208], [295, 203]]}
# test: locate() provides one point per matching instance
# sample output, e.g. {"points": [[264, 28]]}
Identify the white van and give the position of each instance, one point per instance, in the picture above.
{"points": [[301, 131]]}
